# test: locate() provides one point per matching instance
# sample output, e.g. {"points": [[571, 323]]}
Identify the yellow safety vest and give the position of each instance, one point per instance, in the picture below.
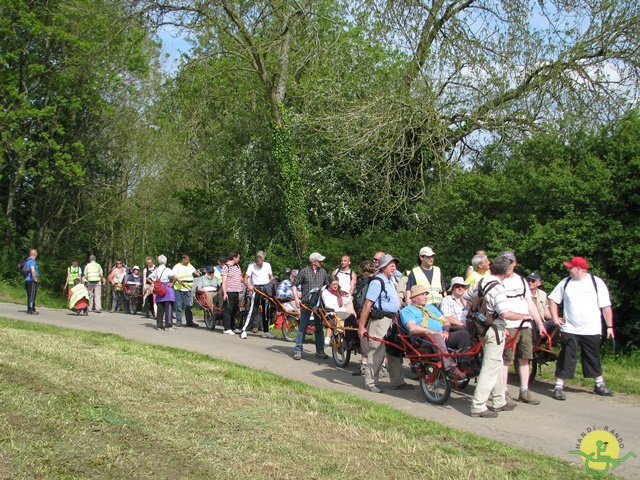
{"points": [[92, 272], [78, 293], [434, 288], [73, 274], [185, 274]]}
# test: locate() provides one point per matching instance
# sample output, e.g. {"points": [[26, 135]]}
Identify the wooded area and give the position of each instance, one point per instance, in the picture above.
{"points": [[337, 126]]}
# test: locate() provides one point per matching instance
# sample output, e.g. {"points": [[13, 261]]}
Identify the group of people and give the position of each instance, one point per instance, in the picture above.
{"points": [[418, 298]]}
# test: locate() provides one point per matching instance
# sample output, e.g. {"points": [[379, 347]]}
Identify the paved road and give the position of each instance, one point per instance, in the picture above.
{"points": [[551, 428]]}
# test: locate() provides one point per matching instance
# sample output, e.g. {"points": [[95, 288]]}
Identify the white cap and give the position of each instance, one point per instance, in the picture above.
{"points": [[316, 256], [427, 252]]}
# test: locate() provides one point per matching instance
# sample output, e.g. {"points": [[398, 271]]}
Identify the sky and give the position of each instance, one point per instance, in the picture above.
{"points": [[173, 46]]}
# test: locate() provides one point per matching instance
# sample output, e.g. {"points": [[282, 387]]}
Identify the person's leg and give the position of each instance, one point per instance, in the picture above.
{"points": [[252, 309], [303, 321], [377, 329], [508, 357], [590, 354], [317, 322], [187, 298], [98, 296], [178, 307], [160, 315], [168, 307], [490, 377], [566, 364], [235, 301]]}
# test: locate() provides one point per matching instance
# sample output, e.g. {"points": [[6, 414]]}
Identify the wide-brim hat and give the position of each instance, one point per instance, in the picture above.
{"points": [[385, 260]]}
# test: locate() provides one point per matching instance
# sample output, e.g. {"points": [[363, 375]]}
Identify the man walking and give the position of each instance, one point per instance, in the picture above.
{"points": [[585, 299], [490, 379], [380, 308], [94, 278], [258, 275], [31, 281], [309, 279], [232, 286], [184, 296]]}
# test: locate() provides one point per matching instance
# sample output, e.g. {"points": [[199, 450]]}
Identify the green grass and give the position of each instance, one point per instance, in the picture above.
{"points": [[11, 292], [88, 405]]}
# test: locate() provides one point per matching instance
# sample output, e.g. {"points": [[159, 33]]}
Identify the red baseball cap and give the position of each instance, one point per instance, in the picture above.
{"points": [[577, 262]]}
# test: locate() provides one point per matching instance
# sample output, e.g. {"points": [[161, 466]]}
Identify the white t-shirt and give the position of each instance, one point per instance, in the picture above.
{"points": [[259, 275], [165, 274], [515, 287], [344, 279], [330, 301], [582, 305]]}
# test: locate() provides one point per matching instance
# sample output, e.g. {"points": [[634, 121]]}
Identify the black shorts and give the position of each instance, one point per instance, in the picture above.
{"points": [[589, 346]]}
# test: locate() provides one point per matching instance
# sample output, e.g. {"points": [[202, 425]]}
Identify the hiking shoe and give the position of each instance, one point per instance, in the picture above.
{"points": [[507, 397], [268, 335], [558, 394], [229, 332], [507, 407], [297, 356], [192, 325], [603, 391], [402, 386], [360, 371], [171, 329], [485, 414], [526, 397], [383, 372], [322, 355], [374, 389], [243, 335]]}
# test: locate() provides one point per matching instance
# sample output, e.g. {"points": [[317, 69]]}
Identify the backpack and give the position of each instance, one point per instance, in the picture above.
{"points": [[315, 297], [272, 287], [23, 268], [360, 292], [478, 320]]}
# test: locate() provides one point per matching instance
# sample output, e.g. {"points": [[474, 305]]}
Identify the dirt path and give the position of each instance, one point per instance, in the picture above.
{"points": [[551, 428]]}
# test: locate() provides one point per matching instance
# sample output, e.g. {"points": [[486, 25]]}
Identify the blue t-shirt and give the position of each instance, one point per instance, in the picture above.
{"points": [[388, 300], [412, 313], [31, 263]]}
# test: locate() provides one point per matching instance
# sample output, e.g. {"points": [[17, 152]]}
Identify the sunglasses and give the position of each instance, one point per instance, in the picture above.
{"points": [[531, 280]]}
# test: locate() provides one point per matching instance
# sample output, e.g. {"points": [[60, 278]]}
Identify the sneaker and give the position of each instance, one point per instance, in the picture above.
{"points": [[603, 391], [507, 407], [360, 371], [485, 414], [112, 310], [178, 324], [267, 335], [243, 335], [229, 332], [297, 356], [526, 397], [558, 394], [160, 329], [237, 330], [383, 372], [402, 386], [374, 389], [322, 355]]}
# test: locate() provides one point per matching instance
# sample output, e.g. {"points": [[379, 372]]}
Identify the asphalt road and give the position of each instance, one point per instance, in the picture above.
{"points": [[551, 428]]}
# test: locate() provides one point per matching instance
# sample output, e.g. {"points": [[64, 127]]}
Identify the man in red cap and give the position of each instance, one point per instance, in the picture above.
{"points": [[585, 300]]}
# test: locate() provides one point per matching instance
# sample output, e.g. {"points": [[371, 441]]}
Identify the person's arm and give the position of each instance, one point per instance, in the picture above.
{"points": [[66, 282], [354, 281], [535, 315], [247, 281], [607, 312], [553, 308], [111, 276], [34, 277], [364, 317]]}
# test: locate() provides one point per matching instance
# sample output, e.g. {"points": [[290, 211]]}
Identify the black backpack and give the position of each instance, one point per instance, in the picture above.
{"points": [[24, 269], [272, 287], [360, 292]]}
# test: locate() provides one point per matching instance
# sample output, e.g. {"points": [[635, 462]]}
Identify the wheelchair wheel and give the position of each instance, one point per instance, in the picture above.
{"points": [[340, 350], [290, 328], [209, 319], [438, 390], [461, 385]]}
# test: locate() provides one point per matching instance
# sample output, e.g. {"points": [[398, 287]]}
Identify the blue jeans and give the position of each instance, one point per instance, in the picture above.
{"points": [[305, 316], [184, 299]]}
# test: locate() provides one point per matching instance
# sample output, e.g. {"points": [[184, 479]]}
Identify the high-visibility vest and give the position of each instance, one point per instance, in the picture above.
{"points": [[184, 274], [78, 293], [434, 288], [92, 272], [74, 273]]}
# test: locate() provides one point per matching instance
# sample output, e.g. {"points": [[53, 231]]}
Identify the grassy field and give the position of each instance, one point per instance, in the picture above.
{"points": [[87, 405]]}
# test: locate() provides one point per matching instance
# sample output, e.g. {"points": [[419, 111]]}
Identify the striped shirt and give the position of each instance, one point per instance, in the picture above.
{"points": [[308, 280], [496, 298], [233, 274]]}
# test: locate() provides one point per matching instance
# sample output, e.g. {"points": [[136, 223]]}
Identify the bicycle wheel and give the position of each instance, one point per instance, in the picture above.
{"points": [[290, 328], [209, 320], [438, 390], [340, 350]]}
